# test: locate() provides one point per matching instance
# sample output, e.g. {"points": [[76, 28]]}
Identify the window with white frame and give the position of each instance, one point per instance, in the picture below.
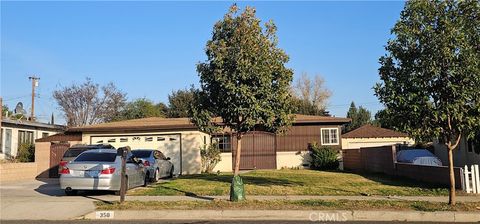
{"points": [[329, 136]]}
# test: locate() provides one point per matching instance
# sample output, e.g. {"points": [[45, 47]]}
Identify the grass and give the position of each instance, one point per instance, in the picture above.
{"points": [[291, 205], [294, 182]]}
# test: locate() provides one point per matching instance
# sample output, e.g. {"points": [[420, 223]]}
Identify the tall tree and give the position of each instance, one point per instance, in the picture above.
{"points": [[141, 108], [244, 81], [312, 91], [431, 73], [360, 116], [300, 106], [88, 103], [180, 102]]}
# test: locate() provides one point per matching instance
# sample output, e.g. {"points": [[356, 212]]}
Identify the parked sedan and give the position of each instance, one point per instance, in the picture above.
{"points": [[75, 150], [157, 165], [100, 169]]}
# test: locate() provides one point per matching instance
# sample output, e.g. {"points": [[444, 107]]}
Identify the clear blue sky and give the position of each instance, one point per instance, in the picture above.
{"points": [[149, 49]]}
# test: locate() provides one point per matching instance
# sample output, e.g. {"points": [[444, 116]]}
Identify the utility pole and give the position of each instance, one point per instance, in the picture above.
{"points": [[34, 84]]}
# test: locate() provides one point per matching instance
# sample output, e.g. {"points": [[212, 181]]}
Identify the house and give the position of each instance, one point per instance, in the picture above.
{"points": [[373, 136], [15, 132], [466, 153], [181, 140]]}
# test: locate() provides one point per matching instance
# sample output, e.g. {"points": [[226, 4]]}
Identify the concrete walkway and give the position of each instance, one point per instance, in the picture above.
{"points": [[293, 197]]}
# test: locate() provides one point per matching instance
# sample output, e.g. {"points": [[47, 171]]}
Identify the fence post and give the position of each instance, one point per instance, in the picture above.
{"points": [[477, 177], [474, 181], [467, 179]]}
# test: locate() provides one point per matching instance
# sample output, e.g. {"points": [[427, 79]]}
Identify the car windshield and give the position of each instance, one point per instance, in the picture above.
{"points": [[96, 157], [74, 152], [141, 153]]}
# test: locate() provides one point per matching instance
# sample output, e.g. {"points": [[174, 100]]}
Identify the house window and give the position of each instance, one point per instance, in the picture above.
{"points": [[25, 137], [329, 136], [44, 134], [159, 139], [223, 143]]}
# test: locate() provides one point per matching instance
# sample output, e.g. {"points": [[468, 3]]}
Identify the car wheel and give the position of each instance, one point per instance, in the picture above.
{"points": [[70, 192], [171, 172], [157, 175]]}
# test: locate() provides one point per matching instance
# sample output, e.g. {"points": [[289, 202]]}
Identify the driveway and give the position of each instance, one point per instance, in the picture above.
{"points": [[43, 199]]}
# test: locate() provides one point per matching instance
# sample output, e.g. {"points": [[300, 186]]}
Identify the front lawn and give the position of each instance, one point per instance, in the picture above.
{"points": [[293, 182], [291, 205]]}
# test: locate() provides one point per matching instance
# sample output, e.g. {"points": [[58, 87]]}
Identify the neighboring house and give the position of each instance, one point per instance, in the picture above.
{"points": [[181, 140], [372, 136], [15, 132], [466, 153]]}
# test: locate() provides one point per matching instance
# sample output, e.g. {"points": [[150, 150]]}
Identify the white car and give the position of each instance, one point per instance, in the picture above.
{"points": [[100, 169]]}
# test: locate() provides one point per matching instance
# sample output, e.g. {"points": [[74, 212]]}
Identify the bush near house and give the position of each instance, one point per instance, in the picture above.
{"points": [[26, 153], [323, 157], [210, 157]]}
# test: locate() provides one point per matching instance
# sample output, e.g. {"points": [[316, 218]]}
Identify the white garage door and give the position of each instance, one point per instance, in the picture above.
{"points": [[169, 144]]}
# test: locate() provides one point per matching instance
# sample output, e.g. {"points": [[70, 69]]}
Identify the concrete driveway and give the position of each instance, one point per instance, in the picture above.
{"points": [[43, 199]]}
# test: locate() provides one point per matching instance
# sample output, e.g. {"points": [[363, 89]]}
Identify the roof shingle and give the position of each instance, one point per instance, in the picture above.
{"points": [[370, 131]]}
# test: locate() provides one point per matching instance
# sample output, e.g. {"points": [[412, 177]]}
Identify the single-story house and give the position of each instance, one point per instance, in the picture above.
{"points": [[373, 136], [466, 153], [15, 132], [181, 140]]}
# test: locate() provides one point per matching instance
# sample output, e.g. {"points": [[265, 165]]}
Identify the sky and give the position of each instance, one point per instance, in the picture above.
{"points": [[148, 49]]}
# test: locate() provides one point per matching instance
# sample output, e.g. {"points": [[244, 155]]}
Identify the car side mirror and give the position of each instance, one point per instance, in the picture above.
{"points": [[168, 158]]}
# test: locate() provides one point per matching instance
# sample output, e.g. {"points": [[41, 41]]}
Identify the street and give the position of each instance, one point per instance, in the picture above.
{"points": [[178, 222]]}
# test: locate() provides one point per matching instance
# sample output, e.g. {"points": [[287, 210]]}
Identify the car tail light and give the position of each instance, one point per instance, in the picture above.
{"points": [[63, 163], [64, 170], [108, 171], [146, 163]]}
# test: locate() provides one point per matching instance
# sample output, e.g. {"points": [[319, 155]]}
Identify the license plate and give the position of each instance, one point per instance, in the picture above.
{"points": [[91, 173]]}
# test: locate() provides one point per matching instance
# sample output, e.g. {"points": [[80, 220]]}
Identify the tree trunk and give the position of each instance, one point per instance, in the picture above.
{"points": [[236, 170], [451, 198]]}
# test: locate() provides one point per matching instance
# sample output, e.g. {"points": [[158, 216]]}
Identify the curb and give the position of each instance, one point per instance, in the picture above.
{"points": [[289, 215]]}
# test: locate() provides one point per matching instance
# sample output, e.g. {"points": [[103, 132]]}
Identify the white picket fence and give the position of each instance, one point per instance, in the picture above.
{"points": [[472, 179]]}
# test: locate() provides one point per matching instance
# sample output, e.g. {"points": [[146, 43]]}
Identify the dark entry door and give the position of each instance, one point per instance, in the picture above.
{"points": [[258, 151], [56, 154]]}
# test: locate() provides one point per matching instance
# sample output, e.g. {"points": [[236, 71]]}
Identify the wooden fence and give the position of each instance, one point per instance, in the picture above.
{"points": [[383, 160]]}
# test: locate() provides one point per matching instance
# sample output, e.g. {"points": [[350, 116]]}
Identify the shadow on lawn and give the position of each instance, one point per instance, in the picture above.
{"points": [[400, 181], [253, 180]]}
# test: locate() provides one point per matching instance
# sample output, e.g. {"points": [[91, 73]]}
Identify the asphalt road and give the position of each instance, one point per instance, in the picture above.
{"points": [[177, 222]]}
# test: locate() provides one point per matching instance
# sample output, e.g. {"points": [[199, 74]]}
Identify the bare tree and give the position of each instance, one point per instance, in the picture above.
{"points": [[83, 104], [312, 91]]}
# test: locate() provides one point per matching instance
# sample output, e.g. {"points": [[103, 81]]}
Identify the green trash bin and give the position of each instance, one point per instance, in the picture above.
{"points": [[237, 190]]}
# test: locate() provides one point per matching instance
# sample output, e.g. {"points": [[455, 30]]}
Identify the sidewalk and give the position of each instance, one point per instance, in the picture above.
{"points": [[293, 197], [291, 215]]}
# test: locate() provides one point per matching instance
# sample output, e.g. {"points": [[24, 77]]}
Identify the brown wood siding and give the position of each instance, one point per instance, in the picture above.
{"points": [[258, 151], [298, 137], [56, 155]]}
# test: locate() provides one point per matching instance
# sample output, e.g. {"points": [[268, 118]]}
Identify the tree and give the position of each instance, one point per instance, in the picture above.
{"points": [[306, 107], [6, 111], [83, 104], [431, 73], [244, 81], [180, 102], [312, 91], [360, 116], [141, 108], [384, 119]]}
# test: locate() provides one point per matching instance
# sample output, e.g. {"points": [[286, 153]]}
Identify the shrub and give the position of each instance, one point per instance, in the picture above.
{"points": [[323, 157], [26, 153], [210, 157]]}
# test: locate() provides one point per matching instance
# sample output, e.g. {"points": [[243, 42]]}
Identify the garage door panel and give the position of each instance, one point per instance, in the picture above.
{"points": [[168, 144]]}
